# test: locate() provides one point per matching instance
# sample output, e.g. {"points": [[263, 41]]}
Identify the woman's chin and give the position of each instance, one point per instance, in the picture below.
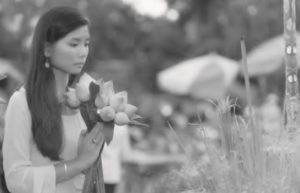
{"points": [[76, 71]]}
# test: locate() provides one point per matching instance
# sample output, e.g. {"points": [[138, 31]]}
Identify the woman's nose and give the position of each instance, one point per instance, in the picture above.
{"points": [[83, 51]]}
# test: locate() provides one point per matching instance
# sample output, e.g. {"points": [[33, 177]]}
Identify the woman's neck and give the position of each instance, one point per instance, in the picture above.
{"points": [[61, 81]]}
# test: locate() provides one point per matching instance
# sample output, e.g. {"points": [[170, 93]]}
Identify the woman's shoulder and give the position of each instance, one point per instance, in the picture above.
{"points": [[18, 97]]}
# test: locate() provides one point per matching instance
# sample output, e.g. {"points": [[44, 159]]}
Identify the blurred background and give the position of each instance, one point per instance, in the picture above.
{"points": [[175, 58]]}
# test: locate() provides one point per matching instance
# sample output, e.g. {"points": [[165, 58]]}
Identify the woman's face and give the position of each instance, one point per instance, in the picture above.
{"points": [[69, 53]]}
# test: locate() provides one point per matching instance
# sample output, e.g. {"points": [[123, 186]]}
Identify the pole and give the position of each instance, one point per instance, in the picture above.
{"points": [[291, 90]]}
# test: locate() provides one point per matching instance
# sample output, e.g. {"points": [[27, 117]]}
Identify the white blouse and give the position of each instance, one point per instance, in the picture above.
{"points": [[26, 170]]}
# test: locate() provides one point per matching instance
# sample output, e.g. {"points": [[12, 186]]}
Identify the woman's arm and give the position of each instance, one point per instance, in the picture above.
{"points": [[18, 146], [66, 170], [88, 151], [21, 176]]}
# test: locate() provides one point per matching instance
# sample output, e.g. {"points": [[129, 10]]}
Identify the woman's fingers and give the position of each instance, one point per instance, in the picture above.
{"points": [[83, 132], [95, 135]]}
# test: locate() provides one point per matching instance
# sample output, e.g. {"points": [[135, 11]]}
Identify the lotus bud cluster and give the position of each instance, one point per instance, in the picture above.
{"points": [[110, 106]]}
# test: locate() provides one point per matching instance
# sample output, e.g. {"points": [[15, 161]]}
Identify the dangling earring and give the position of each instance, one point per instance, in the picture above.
{"points": [[47, 65]]}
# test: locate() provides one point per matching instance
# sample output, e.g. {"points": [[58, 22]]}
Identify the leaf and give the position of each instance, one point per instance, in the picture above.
{"points": [[136, 117], [89, 118], [88, 109], [137, 123], [94, 90]]}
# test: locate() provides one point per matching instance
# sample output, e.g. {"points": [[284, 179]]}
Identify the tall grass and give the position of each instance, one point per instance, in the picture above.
{"points": [[243, 160]]}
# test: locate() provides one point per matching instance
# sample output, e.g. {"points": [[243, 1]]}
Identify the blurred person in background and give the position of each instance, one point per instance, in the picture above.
{"points": [[271, 117], [45, 146]]}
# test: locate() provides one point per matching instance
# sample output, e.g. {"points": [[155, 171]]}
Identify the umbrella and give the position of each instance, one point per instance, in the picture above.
{"points": [[267, 57], [202, 77]]}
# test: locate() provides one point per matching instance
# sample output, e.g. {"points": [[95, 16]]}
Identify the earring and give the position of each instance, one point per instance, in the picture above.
{"points": [[47, 65]]}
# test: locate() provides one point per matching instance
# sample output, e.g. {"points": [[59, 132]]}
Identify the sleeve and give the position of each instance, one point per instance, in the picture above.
{"points": [[20, 174]]}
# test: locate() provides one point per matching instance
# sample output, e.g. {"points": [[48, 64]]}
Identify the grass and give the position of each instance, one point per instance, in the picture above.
{"points": [[243, 160]]}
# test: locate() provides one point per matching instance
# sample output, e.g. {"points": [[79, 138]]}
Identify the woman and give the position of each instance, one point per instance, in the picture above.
{"points": [[45, 147]]}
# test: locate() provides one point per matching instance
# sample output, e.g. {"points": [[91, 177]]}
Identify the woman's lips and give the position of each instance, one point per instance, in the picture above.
{"points": [[79, 65]]}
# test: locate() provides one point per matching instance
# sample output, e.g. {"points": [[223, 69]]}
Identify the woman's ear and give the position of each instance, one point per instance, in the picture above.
{"points": [[47, 49]]}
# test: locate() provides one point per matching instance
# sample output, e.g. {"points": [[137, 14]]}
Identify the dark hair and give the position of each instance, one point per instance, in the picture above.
{"points": [[44, 106]]}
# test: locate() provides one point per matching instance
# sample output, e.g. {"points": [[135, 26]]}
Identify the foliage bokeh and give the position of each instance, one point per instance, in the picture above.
{"points": [[131, 49], [149, 44]]}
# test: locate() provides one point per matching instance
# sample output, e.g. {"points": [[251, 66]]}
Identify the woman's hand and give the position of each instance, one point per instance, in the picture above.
{"points": [[90, 145]]}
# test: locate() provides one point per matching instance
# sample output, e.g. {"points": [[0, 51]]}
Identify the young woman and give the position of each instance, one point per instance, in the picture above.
{"points": [[45, 147]]}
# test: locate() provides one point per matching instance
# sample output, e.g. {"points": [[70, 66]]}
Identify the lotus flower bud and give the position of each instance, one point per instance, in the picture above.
{"points": [[107, 89], [105, 99], [121, 119], [85, 80], [72, 99], [99, 101], [130, 110], [100, 82], [124, 94], [107, 113], [82, 92], [82, 87], [118, 101]]}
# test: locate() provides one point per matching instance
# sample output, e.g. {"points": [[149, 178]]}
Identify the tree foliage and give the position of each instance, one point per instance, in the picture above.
{"points": [[149, 45]]}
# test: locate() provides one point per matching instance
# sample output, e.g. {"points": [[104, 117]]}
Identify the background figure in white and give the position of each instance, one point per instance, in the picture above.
{"points": [[271, 117], [112, 156]]}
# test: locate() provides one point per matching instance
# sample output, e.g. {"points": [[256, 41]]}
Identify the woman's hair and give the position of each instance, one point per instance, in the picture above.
{"points": [[41, 87]]}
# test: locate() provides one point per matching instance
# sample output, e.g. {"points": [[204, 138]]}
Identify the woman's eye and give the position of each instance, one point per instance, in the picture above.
{"points": [[87, 44], [73, 44]]}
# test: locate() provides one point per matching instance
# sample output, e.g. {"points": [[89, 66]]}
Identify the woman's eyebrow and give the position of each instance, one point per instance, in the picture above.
{"points": [[79, 39]]}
